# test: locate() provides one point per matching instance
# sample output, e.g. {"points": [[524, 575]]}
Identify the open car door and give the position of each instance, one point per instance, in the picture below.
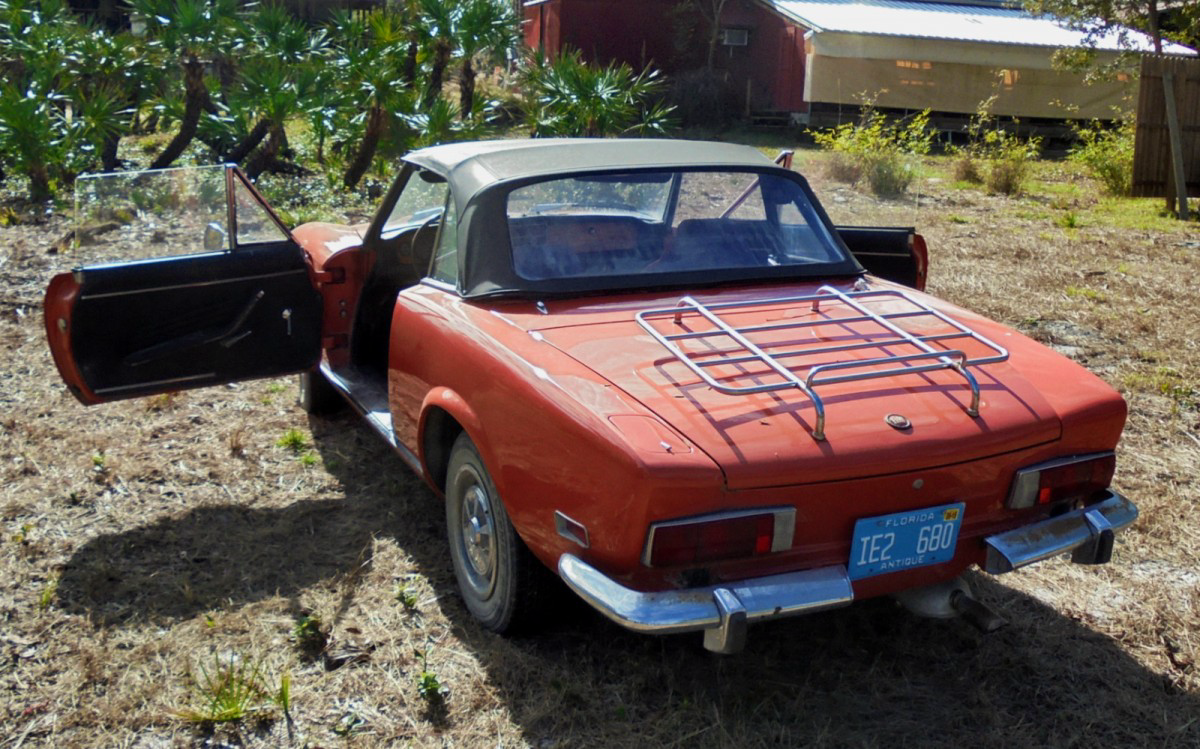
{"points": [[245, 306]]}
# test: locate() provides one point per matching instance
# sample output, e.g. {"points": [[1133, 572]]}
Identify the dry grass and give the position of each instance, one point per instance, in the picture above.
{"points": [[147, 539]]}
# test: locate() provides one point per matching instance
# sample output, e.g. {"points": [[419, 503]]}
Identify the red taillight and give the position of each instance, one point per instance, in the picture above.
{"points": [[1065, 478], [725, 537]]}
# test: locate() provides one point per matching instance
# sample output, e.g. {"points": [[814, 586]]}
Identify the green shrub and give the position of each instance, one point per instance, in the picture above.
{"points": [[966, 169], [1107, 154], [888, 172], [877, 150], [1008, 160], [570, 97], [844, 167], [993, 156]]}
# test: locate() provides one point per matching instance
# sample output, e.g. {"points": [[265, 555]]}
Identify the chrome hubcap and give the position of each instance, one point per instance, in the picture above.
{"points": [[478, 536]]}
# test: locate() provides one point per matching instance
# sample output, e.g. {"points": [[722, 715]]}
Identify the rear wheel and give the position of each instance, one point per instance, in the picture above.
{"points": [[499, 578], [317, 396]]}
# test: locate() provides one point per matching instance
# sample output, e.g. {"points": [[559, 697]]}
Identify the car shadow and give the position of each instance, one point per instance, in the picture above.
{"points": [[868, 675]]}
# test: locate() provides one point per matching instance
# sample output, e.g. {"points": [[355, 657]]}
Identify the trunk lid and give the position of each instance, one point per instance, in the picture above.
{"points": [[766, 439]]}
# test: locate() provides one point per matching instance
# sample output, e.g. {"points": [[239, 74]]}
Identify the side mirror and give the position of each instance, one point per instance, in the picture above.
{"points": [[215, 237]]}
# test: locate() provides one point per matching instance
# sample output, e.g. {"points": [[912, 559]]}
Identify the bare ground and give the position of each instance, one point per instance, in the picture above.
{"points": [[145, 539]]}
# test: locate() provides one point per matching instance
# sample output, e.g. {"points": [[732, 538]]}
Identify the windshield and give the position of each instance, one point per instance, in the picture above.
{"points": [[664, 222]]}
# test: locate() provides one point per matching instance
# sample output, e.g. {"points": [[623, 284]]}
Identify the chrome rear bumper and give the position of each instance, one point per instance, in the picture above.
{"points": [[723, 612], [1086, 534]]}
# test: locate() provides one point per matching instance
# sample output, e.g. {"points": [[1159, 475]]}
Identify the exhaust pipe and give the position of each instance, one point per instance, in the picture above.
{"points": [[950, 599], [977, 614]]}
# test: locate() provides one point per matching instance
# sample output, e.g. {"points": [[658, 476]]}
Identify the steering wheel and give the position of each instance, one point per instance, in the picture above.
{"points": [[412, 242]]}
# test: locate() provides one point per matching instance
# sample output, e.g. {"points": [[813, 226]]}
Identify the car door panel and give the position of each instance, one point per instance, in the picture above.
{"points": [[894, 253], [125, 330]]}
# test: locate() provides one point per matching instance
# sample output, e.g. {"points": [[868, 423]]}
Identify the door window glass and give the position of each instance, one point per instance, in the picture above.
{"points": [[423, 198], [255, 224], [126, 216], [445, 261]]}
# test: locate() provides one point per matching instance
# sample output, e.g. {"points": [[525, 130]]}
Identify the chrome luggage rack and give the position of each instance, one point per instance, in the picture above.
{"points": [[860, 327]]}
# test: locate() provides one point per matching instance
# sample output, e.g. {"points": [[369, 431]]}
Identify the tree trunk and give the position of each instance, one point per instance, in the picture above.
{"points": [[261, 159], [150, 126], [466, 89], [194, 98], [39, 183], [227, 79], [108, 153], [437, 71], [249, 143], [712, 10], [366, 149], [1155, 27], [409, 70]]}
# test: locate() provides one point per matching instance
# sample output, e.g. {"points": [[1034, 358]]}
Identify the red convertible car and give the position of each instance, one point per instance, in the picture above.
{"points": [[655, 367]]}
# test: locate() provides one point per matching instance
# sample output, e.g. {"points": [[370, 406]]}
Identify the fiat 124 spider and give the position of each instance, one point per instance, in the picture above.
{"points": [[654, 367]]}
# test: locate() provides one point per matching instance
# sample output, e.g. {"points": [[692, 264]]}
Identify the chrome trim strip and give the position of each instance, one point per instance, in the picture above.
{"points": [[672, 611], [1029, 476], [198, 284], [785, 526], [449, 288], [155, 383], [1058, 535]]}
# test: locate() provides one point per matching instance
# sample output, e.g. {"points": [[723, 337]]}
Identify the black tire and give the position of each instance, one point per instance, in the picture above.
{"points": [[317, 396], [499, 578]]}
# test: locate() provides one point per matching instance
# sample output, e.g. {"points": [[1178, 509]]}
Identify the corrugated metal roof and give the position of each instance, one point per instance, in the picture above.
{"points": [[940, 20]]}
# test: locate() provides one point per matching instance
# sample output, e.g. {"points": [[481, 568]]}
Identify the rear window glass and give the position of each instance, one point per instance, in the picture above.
{"points": [[664, 222]]}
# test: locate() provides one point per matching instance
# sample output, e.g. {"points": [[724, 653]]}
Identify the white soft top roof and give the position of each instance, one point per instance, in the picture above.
{"points": [[473, 166]]}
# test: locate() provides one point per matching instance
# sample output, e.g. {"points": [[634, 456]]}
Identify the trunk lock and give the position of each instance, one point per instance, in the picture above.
{"points": [[898, 421]]}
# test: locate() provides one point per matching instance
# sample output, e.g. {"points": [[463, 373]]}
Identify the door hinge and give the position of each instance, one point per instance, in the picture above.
{"points": [[335, 341], [332, 276]]}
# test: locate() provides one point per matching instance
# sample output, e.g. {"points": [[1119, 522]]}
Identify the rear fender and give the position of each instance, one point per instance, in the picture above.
{"points": [[435, 460]]}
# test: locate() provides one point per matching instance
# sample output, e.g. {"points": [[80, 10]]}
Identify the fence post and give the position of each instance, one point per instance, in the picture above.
{"points": [[1181, 190]]}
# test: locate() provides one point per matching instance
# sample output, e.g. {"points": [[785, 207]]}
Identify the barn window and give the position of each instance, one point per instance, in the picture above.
{"points": [[735, 37]]}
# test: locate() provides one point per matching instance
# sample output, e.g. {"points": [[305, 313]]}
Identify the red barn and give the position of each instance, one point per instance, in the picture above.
{"points": [[762, 51], [805, 57]]}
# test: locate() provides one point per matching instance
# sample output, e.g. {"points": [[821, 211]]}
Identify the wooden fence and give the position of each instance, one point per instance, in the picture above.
{"points": [[1153, 165]]}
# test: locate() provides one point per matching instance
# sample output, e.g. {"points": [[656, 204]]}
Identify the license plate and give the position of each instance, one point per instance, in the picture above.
{"points": [[903, 540]]}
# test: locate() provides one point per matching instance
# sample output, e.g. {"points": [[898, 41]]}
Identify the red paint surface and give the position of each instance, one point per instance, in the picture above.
{"points": [[549, 398], [335, 252], [58, 305]]}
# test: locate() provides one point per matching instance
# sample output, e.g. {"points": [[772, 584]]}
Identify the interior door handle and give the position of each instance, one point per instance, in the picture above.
{"points": [[226, 336]]}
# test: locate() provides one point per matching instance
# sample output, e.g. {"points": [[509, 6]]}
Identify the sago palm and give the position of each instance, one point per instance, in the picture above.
{"points": [[571, 97], [369, 57], [485, 27], [439, 24], [191, 32], [33, 137], [111, 74]]}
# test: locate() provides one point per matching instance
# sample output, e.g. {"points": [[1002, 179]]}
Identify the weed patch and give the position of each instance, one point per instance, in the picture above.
{"points": [[310, 636], [228, 690], [294, 440]]}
